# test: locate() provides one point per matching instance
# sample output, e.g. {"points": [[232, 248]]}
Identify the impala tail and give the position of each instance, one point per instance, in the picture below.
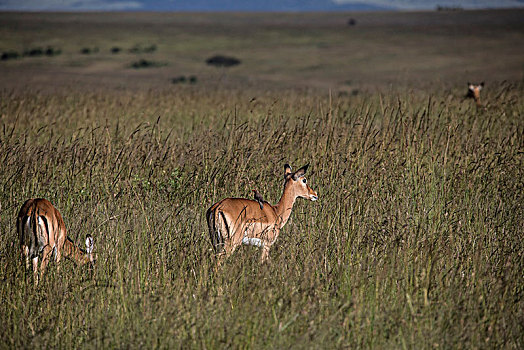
{"points": [[214, 219], [32, 231]]}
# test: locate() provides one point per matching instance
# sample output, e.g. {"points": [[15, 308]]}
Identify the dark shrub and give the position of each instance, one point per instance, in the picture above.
{"points": [[142, 63], [139, 49], [183, 79], [179, 79], [9, 55], [115, 49], [51, 51], [37, 51], [222, 61], [88, 50]]}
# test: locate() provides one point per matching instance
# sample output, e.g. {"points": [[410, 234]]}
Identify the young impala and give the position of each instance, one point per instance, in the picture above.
{"points": [[41, 229], [234, 221]]}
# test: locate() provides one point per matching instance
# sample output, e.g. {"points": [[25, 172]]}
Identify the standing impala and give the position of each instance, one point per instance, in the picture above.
{"points": [[234, 221], [41, 229], [474, 93]]}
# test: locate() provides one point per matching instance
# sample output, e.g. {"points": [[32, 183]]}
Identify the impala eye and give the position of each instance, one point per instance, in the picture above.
{"points": [[304, 180]]}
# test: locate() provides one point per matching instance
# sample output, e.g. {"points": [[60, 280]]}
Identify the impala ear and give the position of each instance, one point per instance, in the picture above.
{"points": [[300, 172], [287, 170], [89, 244]]}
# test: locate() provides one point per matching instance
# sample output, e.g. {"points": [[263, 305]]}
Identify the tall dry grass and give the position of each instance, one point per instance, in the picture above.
{"points": [[416, 241]]}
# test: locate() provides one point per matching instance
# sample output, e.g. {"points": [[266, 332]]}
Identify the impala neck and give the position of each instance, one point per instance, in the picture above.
{"points": [[476, 96], [74, 253], [285, 205]]}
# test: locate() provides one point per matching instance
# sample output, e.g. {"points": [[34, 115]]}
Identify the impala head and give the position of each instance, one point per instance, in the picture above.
{"points": [[298, 182]]}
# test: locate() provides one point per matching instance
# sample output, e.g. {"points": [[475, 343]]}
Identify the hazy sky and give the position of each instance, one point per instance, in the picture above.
{"points": [[276, 5], [431, 4]]}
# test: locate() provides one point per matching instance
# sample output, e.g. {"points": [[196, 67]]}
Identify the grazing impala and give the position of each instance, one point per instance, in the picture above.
{"points": [[234, 221], [474, 93], [41, 229]]}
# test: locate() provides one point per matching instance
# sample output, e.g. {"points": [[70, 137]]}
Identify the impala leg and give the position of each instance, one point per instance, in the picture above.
{"points": [[35, 270], [229, 248], [45, 259], [219, 260], [59, 246], [58, 256], [25, 255], [265, 253], [220, 255]]}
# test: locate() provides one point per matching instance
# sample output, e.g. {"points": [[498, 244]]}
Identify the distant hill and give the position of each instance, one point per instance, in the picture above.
{"points": [[257, 5], [251, 5]]}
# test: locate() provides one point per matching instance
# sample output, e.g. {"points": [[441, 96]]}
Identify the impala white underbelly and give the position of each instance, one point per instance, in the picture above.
{"points": [[252, 241]]}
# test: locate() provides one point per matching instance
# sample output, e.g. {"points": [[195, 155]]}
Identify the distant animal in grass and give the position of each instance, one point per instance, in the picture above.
{"points": [[474, 93], [236, 221], [41, 231]]}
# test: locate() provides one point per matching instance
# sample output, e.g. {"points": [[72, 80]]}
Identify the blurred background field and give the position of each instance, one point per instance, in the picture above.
{"points": [[312, 50], [416, 241]]}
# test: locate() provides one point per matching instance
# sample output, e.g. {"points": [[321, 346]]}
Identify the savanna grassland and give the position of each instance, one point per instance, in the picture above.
{"points": [[415, 242]]}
